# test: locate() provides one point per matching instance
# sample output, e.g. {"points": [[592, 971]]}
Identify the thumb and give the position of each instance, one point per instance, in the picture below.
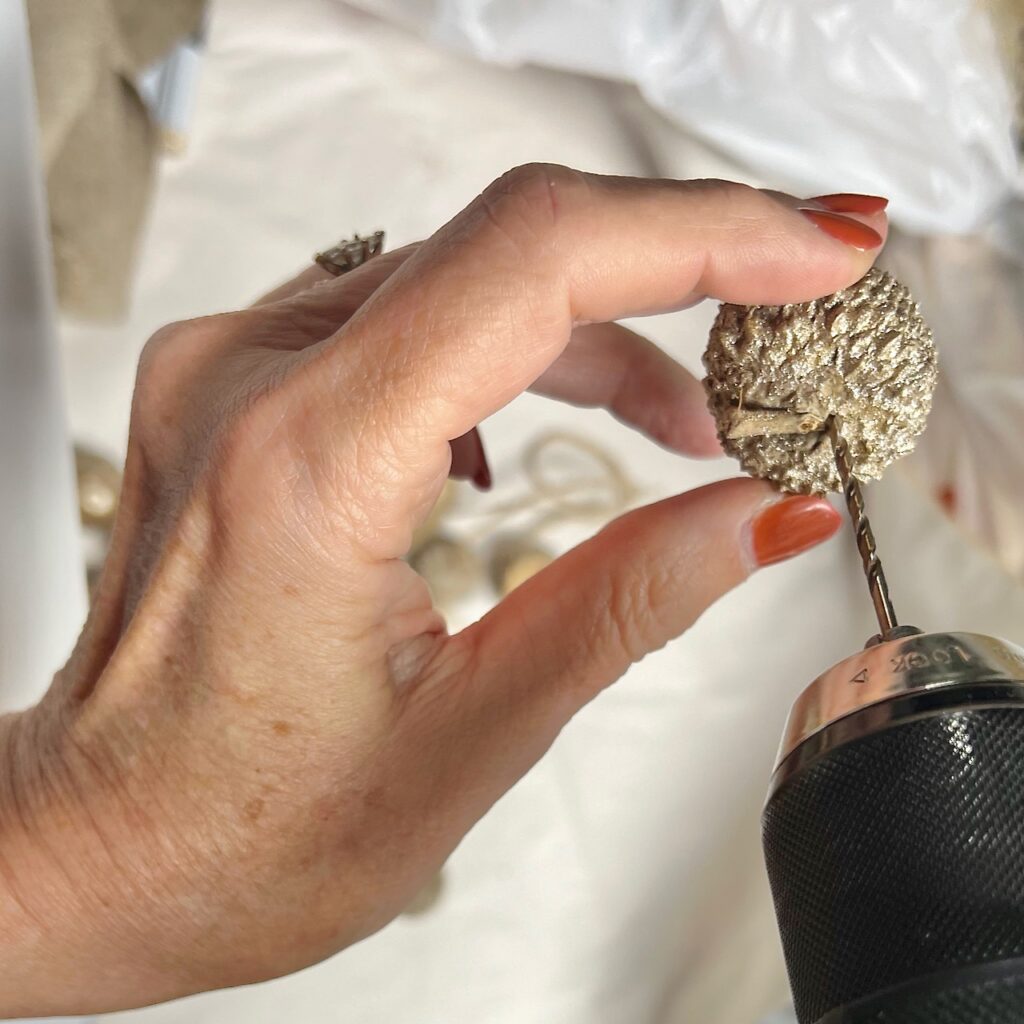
{"points": [[571, 630]]}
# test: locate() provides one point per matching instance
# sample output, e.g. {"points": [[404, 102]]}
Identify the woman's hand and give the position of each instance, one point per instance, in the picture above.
{"points": [[265, 742]]}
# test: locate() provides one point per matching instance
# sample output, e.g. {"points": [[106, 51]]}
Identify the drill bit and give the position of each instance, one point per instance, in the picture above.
{"points": [[862, 529]]}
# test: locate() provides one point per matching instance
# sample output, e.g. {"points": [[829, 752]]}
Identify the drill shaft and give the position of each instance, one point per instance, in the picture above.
{"points": [[862, 529]]}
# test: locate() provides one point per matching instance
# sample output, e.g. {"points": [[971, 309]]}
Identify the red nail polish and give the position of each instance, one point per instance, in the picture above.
{"points": [[844, 229], [469, 461], [482, 475], [790, 527], [851, 202]]}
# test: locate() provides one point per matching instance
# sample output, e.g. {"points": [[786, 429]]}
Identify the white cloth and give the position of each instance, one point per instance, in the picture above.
{"points": [[971, 294], [621, 881], [906, 100]]}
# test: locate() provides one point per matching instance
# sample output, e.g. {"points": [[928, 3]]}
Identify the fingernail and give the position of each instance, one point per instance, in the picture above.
{"points": [[791, 526], [844, 229], [469, 461], [482, 474], [851, 202]]}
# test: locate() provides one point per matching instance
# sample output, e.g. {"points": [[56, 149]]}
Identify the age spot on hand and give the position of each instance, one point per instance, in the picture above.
{"points": [[253, 809]]}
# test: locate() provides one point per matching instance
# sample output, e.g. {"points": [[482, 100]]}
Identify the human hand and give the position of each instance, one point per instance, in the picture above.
{"points": [[265, 742]]}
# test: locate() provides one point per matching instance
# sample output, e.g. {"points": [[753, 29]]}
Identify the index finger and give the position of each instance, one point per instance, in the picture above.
{"points": [[488, 303]]}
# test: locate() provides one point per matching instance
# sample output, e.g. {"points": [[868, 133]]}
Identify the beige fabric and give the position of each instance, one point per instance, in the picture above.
{"points": [[97, 138], [1009, 21]]}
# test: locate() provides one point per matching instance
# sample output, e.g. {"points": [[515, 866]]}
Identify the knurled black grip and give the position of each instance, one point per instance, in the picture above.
{"points": [[895, 850]]}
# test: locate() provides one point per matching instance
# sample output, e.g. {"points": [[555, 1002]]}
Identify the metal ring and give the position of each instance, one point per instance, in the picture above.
{"points": [[895, 668], [350, 253]]}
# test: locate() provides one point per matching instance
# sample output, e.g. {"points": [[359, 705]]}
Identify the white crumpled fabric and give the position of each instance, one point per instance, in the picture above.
{"points": [[905, 99]]}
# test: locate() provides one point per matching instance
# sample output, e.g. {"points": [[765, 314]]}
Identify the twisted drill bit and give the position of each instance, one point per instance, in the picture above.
{"points": [[862, 529]]}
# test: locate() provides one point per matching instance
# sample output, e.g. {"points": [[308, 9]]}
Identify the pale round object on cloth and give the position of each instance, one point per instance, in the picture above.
{"points": [[777, 373], [99, 488], [514, 560]]}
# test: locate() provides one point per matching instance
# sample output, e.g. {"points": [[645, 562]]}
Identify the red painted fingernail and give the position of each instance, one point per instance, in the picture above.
{"points": [[851, 202], [482, 474], [844, 229], [788, 527]]}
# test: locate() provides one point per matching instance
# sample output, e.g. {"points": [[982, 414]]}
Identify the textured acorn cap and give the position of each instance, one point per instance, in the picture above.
{"points": [[775, 374]]}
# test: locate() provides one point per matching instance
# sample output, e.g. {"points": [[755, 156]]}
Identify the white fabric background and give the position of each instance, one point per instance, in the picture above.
{"points": [[620, 882], [906, 100]]}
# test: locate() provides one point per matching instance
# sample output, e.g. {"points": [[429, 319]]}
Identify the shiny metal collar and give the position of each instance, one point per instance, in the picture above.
{"points": [[910, 664]]}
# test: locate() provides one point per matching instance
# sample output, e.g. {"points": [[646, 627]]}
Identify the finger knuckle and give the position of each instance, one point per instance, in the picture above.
{"points": [[533, 182], [162, 355], [189, 403], [278, 457], [175, 354], [746, 214], [731, 194], [158, 402], [528, 200], [632, 611]]}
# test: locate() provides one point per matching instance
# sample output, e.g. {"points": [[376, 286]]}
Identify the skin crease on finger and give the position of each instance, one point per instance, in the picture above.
{"points": [[265, 742]]}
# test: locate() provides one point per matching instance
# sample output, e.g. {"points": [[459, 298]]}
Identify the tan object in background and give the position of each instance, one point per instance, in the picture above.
{"points": [[451, 568], [1008, 18], [98, 142], [776, 374], [99, 488], [514, 560]]}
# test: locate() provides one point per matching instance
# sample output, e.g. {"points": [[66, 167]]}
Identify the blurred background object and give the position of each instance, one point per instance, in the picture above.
{"points": [[98, 138], [1008, 21], [99, 488], [42, 586]]}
